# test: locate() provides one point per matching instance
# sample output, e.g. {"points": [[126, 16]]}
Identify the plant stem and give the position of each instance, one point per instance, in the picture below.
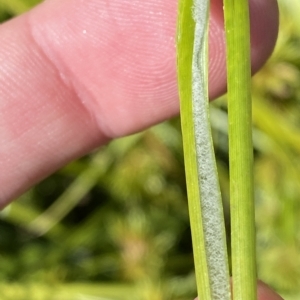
{"points": [[186, 27], [240, 149], [205, 204]]}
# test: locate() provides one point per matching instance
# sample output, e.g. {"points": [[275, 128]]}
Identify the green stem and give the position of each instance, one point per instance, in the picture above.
{"points": [[205, 204], [186, 27], [240, 149]]}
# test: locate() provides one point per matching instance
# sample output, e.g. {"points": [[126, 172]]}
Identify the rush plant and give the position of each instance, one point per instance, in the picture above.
{"points": [[205, 203]]}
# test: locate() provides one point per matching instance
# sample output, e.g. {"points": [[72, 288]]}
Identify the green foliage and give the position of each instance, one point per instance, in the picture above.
{"points": [[203, 190], [14, 7], [242, 206], [128, 233]]}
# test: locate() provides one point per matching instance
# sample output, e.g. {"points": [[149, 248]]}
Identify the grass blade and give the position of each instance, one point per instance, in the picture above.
{"points": [[240, 149], [205, 205]]}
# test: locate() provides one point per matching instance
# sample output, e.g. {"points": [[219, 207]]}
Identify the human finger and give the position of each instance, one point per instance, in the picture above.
{"points": [[75, 74]]}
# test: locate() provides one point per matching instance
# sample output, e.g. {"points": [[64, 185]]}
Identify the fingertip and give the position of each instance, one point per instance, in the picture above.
{"points": [[264, 292], [264, 19]]}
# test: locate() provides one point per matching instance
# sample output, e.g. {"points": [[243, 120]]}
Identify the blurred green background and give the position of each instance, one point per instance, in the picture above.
{"points": [[114, 224]]}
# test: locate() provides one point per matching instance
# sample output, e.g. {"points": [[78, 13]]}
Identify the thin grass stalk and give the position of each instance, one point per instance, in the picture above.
{"points": [[14, 6], [205, 205], [185, 38], [240, 149]]}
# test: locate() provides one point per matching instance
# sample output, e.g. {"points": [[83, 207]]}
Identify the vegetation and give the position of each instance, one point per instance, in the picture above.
{"points": [[114, 224], [242, 202], [203, 190]]}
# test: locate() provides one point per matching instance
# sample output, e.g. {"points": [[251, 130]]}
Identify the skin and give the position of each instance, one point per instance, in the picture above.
{"points": [[75, 74]]}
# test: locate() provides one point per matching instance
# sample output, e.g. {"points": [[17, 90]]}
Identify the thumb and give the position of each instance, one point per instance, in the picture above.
{"points": [[264, 292]]}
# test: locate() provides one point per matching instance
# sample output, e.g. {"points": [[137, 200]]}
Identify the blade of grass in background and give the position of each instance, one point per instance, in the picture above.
{"points": [[240, 149], [70, 198], [17, 7], [205, 204], [84, 182]]}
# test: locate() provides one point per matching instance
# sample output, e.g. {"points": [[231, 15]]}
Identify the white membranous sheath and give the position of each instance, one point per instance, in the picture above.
{"points": [[211, 202]]}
